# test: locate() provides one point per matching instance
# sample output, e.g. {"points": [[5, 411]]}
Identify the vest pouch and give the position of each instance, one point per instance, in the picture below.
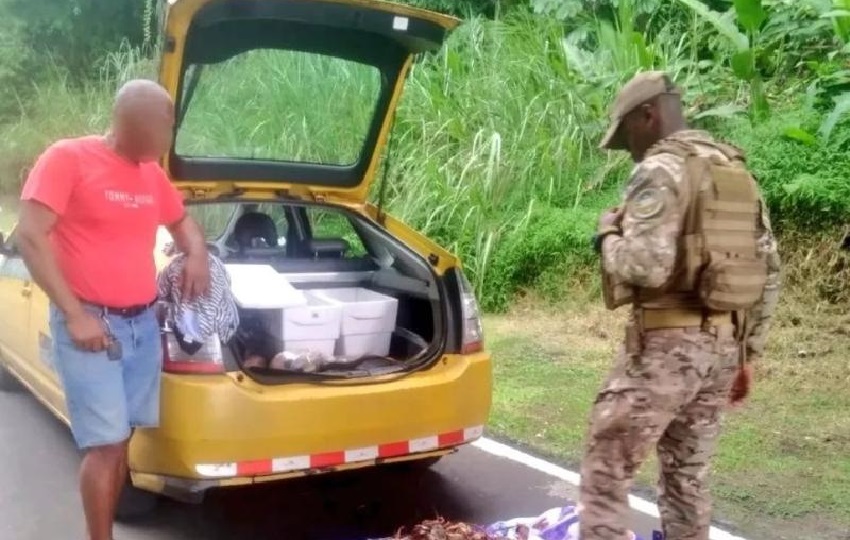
{"points": [[732, 283], [616, 293]]}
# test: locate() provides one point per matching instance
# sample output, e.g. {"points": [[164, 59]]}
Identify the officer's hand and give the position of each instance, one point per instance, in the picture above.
{"points": [[741, 386], [610, 220]]}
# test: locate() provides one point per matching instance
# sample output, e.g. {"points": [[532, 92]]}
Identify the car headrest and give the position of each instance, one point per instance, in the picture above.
{"points": [[324, 247], [252, 226]]}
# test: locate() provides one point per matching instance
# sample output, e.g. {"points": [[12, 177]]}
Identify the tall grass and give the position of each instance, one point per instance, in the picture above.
{"points": [[58, 109], [501, 129], [269, 104], [494, 150]]}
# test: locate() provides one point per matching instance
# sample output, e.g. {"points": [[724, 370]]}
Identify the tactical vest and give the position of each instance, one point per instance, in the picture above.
{"points": [[718, 266]]}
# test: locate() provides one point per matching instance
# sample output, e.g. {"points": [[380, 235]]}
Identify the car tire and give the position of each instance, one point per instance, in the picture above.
{"points": [[135, 503], [8, 382]]}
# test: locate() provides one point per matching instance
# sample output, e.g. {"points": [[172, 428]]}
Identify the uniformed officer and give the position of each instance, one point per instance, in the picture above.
{"points": [[681, 362]]}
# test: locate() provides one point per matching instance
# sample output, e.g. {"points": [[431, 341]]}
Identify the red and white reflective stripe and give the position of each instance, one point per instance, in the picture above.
{"points": [[334, 459]]}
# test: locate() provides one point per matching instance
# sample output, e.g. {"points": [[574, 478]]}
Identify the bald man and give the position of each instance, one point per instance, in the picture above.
{"points": [[694, 328], [90, 210]]}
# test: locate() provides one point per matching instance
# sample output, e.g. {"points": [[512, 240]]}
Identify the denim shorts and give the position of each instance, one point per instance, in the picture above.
{"points": [[106, 398]]}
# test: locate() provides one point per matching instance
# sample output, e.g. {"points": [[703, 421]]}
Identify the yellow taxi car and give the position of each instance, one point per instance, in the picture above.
{"points": [[284, 108]]}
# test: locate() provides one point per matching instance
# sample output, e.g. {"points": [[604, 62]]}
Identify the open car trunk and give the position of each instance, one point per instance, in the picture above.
{"points": [[353, 331], [295, 99], [322, 293]]}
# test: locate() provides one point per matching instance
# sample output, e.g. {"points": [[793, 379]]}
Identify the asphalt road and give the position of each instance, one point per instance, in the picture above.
{"points": [[39, 500]]}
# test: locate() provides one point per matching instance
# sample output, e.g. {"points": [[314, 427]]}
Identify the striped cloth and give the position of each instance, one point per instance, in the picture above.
{"points": [[196, 321]]}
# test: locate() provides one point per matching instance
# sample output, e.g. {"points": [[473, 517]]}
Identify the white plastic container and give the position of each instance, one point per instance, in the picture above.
{"points": [[259, 286], [354, 346], [314, 327], [368, 321]]}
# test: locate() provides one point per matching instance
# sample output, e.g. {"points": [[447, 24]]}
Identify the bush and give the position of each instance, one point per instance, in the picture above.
{"points": [[805, 183], [554, 239], [58, 109], [76, 34]]}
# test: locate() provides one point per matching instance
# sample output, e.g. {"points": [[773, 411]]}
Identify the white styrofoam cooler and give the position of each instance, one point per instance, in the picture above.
{"points": [[314, 327], [368, 320], [260, 286], [348, 322]]}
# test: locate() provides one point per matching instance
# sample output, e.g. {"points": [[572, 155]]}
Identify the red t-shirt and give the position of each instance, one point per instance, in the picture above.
{"points": [[109, 210]]}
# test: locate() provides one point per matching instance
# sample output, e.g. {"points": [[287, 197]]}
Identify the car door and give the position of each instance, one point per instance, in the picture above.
{"points": [[16, 290], [24, 327], [46, 379]]}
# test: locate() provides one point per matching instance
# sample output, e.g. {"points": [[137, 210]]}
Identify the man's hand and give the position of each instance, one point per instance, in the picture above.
{"points": [[196, 276], [189, 239], [741, 386], [87, 332], [609, 221]]}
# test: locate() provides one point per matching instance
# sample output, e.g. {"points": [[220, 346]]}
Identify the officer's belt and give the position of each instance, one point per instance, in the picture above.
{"points": [[682, 318]]}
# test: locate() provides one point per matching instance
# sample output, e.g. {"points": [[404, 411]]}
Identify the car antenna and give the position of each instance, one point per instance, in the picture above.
{"points": [[382, 189]]}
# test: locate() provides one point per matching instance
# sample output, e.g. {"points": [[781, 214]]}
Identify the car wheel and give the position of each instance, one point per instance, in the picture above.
{"points": [[135, 503], [8, 382]]}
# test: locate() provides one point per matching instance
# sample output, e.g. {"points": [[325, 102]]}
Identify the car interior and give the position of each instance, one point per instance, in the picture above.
{"points": [[330, 248]]}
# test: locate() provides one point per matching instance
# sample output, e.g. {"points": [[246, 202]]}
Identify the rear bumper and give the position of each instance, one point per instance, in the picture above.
{"points": [[192, 490], [228, 430]]}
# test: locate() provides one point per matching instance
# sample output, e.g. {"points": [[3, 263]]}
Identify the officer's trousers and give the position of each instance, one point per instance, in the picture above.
{"points": [[670, 394]]}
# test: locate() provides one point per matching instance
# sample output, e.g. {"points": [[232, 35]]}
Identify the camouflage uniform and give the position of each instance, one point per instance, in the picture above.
{"points": [[672, 391]]}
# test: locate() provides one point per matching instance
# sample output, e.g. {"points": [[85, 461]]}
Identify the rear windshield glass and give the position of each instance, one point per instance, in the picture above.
{"points": [[279, 105], [218, 219], [214, 218]]}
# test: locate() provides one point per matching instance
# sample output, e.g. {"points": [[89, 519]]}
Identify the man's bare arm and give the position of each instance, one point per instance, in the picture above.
{"points": [[189, 238], [33, 241]]}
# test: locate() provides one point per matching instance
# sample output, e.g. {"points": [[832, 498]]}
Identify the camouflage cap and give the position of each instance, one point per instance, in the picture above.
{"points": [[640, 89]]}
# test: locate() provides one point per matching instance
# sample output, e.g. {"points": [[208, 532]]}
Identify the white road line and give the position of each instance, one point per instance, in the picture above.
{"points": [[641, 505]]}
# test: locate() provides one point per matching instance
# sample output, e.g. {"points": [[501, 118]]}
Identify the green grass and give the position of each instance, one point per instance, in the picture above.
{"points": [[543, 393]]}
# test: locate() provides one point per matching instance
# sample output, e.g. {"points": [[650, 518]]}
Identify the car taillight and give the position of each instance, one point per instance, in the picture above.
{"points": [[472, 338], [208, 359]]}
